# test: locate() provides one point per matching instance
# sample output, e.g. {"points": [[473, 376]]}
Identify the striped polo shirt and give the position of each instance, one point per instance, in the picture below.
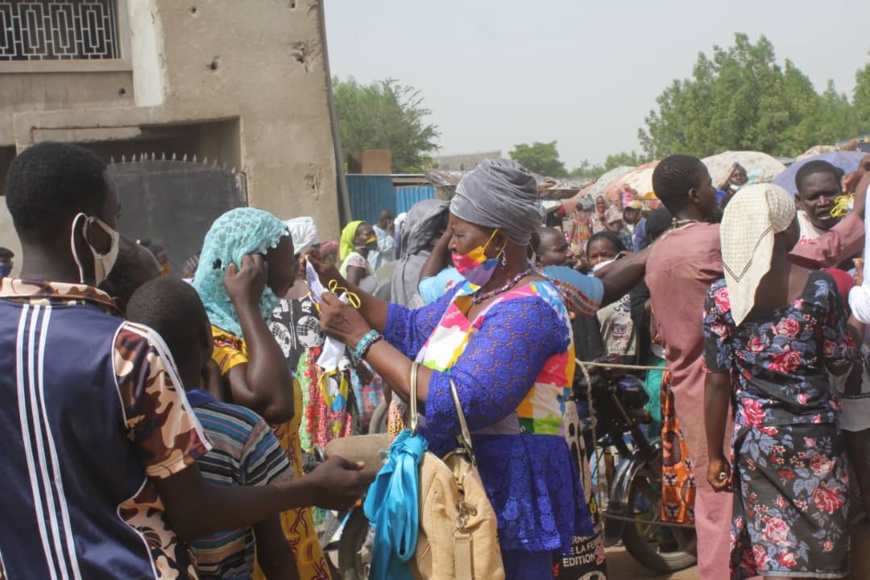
{"points": [[244, 452], [89, 416]]}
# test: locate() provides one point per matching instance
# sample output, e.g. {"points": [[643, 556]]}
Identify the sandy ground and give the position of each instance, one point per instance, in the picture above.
{"points": [[621, 566]]}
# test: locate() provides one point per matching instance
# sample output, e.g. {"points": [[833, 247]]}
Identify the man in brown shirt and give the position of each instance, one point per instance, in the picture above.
{"points": [[681, 267]]}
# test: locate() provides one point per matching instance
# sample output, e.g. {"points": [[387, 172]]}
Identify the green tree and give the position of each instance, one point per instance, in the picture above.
{"points": [[541, 158], [385, 115], [861, 100], [803, 109], [631, 159], [836, 118], [586, 169], [740, 98]]}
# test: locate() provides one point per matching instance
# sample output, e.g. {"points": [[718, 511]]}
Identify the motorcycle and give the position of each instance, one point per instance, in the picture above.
{"points": [[633, 512]]}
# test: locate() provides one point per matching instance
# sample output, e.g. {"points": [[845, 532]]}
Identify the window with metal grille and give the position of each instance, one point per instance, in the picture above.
{"points": [[51, 30]]}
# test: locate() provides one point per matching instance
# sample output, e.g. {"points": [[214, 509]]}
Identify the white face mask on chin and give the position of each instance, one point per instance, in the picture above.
{"points": [[103, 263], [600, 265]]}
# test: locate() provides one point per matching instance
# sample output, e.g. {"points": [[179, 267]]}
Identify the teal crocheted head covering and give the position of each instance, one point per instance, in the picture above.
{"points": [[234, 235]]}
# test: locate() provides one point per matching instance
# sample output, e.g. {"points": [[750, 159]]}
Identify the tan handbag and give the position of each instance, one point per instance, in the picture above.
{"points": [[458, 536]]}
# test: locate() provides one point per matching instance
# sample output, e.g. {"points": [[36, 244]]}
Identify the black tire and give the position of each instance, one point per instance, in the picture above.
{"points": [[351, 564], [380, 418], [334, 574], [642, 538]]}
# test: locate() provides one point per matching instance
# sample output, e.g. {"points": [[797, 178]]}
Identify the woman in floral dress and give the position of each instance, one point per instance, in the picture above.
{"points": [[772, 333]]}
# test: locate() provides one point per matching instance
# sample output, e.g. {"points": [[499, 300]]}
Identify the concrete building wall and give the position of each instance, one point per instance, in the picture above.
{"points": [[245, 83], [8, 239], [51, 91], [266, 57]]}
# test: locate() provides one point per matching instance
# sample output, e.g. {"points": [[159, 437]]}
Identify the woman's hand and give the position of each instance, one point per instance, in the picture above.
{"points": [[719, 475], [860, 201], [440, 257], [325, 268], [850, 181], [246, 286], [341, 321]]}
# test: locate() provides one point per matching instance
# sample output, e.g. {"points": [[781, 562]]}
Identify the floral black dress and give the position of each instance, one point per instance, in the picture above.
{"points": [[790, 470]]}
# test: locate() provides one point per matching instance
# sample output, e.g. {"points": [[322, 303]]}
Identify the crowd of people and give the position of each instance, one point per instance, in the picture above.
{"points": [[158, 426]]}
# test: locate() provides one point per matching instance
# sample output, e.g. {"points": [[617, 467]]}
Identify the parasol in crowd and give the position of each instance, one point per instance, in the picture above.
{"points": [[760, 167], [602, 182], [639, 179], [590, 192], [549, 188], [848, 161]]}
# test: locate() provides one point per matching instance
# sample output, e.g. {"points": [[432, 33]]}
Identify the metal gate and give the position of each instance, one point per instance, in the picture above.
{"points": [[173, 202]]}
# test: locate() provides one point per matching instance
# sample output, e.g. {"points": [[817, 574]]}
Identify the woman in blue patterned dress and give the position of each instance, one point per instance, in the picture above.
{"points": [[773, 332], [504, 338]]}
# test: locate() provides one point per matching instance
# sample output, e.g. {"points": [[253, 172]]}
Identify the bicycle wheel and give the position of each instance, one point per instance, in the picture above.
{"points": [[380, 418], [661, 548], [353, 561]]}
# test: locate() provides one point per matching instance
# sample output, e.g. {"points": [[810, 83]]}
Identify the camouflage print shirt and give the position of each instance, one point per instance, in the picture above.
{"points": [[91, 411]]}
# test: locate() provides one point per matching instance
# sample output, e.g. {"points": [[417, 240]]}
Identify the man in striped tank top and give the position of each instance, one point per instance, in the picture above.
{"points": [[244, 449]]}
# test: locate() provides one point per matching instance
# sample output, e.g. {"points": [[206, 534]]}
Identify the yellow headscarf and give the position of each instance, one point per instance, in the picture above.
{"points": [[346, 244]]}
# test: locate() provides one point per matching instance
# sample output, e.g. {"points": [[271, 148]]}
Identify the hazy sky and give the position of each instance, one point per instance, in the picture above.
{"points": [[500, 72]]}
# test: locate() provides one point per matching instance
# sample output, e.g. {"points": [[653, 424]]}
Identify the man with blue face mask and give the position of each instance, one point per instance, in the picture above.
{"points": [[6, 263]]}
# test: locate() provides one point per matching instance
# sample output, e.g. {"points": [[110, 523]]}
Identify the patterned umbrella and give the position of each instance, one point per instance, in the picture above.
{"points": [[595, 189], [601, 184], [639, 179], [760, 167], [846, 160]]}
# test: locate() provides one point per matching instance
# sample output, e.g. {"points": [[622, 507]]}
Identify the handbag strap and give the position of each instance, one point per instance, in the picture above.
{"points": [[464, 437], [463, 568], [413, 402]]}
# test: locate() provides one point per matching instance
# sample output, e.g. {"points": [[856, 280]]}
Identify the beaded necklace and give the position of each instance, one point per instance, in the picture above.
{"points": [[478, 298], [677, 224]]}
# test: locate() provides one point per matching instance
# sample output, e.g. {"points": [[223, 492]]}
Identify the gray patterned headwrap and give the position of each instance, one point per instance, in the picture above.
{"points": [[500, 194]]}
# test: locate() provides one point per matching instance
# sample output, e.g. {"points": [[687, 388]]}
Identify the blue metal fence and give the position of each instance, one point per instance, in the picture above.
{"points": [[408, 196], [371, 194]]}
